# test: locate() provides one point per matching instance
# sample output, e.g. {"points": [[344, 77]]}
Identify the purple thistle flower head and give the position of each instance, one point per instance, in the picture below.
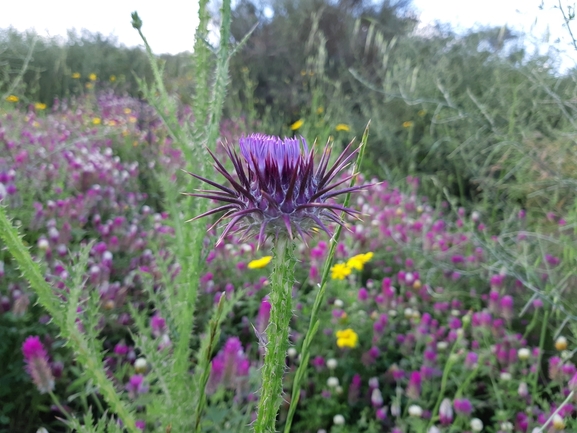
{"points": [[278, 189]]}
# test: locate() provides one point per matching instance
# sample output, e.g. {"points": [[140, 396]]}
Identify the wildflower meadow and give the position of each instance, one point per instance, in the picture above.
{"points": [[385, 245]]}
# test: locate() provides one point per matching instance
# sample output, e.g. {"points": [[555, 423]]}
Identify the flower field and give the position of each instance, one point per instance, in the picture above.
{"points": [[424, 328], [199, 243]]}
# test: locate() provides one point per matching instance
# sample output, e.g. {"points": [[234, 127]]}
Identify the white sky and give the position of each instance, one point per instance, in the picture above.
{"points": [[169, 25]]}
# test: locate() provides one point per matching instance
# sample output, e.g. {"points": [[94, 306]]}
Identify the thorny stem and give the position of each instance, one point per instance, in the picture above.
{"points": [[282, 280]]}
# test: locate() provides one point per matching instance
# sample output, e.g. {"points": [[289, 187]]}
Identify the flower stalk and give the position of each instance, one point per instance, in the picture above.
{"points": [[277, 332], [314, 319]]}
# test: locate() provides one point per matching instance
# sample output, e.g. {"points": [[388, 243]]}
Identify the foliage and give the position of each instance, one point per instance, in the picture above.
{"points": [[277, 58], [52, 69]]}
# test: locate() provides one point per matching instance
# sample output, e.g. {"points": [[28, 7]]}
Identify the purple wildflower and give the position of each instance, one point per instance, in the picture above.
{"points": [[263, 316], [318, 362], [471, 360], [37, 365], [157, 325], [277, 189], [463, 406], [414, 386], [354, 389], [229, 365], [136, 385]]}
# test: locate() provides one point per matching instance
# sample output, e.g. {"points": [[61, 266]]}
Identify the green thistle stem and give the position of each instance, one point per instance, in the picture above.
{"points": [[282, 280]]}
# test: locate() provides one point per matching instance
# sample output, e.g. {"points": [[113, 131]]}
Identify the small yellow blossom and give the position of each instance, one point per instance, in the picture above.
{"points": [[343, 127], [76, 75], [132, 119], [40, 106], [89, 85], [358, 262], [297, 124], [112, 78], [12, 98], [340, 271], [347, 338], [127, 111], [96, 121], [260, 263], [408, 124], [92, 77], [111, 122], [421, 113], [303, 72], [320, 110]]}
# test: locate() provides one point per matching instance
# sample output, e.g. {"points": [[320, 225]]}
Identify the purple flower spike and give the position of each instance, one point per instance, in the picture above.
{"points": [[277, 189], [37, 366]]}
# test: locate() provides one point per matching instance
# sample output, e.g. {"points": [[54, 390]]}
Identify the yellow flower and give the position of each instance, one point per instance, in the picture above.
{"points": [[111, 122], [358, 262], [89, 85], [408, 124], [421, 113], [112, 78], [92, 77], [127, 111], [96, 121], [342, 127], [260, 263], [297, 124], [76, 75], [347, 338], [340, 271], [12, 98], [320, 110], [40, 106]]}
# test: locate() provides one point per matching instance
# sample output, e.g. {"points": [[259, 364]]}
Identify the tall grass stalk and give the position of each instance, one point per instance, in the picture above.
{"points": [[314, 322]]}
